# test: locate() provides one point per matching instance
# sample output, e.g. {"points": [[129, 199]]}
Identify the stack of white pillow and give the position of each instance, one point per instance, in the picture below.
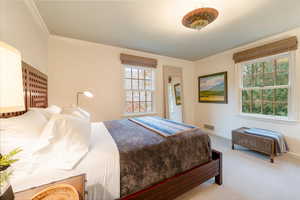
{"points": [[60, 137]]}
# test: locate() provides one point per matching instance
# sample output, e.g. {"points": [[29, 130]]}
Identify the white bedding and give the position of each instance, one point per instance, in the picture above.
{"points": [[101, 166]]}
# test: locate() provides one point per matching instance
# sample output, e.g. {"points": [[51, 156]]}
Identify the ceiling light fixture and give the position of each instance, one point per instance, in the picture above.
{"points": [[199, 18]]}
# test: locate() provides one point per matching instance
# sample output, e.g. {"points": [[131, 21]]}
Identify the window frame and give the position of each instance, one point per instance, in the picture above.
{"points": [[292, 99], [153, 90]]}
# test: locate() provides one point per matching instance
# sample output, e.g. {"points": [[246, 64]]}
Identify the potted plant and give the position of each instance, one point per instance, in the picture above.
{"points": [[6, 192]]}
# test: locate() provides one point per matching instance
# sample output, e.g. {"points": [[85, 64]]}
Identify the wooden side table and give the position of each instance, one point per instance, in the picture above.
{"points": [[257, 143], [77, 181]]}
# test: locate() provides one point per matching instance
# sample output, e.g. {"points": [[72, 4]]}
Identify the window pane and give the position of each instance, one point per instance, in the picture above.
{"points": [[128, 84], [136, 81], [128, 107], [136, 106], [246, 95], [136, 96], [281, 94], [141, 84], [148, 84], [282, 78], [135, 84], [149, 96], [268, 95], [246, 107], [256, 107], [268, 79], [149, 106], [256, 94], [268, 109], [129, 96], [142, 96], [258, 68], [271, 101], [247, 70], [247, 81], [148, 74], [283, 64], [142, 106], [141, 74], [259, 81], [281, 109], [135, 73], [127, 72], [268, 67]]}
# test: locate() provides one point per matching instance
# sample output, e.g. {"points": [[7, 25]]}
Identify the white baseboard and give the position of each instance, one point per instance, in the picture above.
{"points": [[294, 155]]}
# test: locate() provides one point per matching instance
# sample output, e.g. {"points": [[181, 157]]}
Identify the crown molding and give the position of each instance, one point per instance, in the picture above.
{"points": [[36, 14]]}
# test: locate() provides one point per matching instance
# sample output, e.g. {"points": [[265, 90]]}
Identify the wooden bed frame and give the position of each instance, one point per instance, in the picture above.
{"points": [[36, 96]]}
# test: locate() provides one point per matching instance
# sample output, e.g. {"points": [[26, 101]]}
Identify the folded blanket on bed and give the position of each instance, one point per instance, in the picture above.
{"points": [[281, 144], [162, 126]]}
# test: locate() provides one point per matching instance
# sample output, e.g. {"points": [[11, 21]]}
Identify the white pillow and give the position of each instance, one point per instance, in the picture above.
{"points": [[77, 112], [64, 141], [31, 123], [54, 109], [48, 112]]}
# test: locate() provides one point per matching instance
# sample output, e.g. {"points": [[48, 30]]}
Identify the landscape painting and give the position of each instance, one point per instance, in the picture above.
{"points": [[213, 88], [177, 91]]}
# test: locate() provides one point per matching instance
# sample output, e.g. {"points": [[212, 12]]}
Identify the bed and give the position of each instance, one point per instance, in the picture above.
{"points": [[130, 168]]}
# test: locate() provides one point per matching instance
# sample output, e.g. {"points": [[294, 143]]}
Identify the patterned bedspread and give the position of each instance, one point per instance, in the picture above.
{"points": [[147, 158]]}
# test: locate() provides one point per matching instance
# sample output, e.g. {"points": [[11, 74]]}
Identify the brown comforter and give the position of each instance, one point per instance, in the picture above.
{"points": [[147, 158]]}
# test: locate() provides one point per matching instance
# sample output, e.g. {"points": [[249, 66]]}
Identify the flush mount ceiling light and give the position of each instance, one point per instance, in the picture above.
{"points": [[199, 18]]}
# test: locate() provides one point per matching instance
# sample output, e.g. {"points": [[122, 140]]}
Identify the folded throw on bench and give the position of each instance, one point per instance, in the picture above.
{"points": [[281, 144]]}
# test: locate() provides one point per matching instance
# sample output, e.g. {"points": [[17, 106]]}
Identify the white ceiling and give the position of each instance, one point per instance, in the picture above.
{"points": [[155, 25]]}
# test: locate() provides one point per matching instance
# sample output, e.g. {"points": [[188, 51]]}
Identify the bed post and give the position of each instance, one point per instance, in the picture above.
{"points": [[216, 155]]}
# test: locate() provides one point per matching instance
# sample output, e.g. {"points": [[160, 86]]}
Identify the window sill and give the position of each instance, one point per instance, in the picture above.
{"points": [[267, 118], [139, 114]]}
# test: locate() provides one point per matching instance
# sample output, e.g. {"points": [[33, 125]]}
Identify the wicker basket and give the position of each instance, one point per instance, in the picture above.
{"points": [[57, 192]]}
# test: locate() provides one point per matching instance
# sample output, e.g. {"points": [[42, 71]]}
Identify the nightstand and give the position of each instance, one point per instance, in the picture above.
{"points": [[77, 181]]}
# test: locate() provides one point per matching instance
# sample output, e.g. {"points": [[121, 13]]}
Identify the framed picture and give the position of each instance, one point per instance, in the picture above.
{"points": [[213, 88], [177, 92]]}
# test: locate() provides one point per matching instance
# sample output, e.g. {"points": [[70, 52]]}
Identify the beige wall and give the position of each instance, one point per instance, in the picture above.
{"points": [[19, 28], [76, 65], [224, 116]]}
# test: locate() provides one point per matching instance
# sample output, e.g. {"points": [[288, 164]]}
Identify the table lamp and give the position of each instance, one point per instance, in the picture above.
{"points": [[11, 81], [11, 100], [85, 93]]}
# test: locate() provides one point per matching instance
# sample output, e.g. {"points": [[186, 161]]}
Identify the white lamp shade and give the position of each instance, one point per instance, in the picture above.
{"points": [[11, 81]]}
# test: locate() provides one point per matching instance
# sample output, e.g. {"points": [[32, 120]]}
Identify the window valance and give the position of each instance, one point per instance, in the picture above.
{"points": [[277, 47], [138, 60]]}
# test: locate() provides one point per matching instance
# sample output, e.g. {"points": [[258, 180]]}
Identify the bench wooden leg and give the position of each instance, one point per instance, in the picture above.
{"points": [[232, 146], [272, 158]]}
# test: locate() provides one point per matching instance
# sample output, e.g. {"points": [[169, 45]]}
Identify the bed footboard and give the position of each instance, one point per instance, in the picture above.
{"points": [[179, 184]]}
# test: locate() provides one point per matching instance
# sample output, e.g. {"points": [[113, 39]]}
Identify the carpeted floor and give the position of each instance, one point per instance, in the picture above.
{"points": [[250, 176]]}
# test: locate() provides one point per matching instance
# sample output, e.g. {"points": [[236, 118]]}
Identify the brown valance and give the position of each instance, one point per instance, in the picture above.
{"points": [[281, 46], [138, 61]]}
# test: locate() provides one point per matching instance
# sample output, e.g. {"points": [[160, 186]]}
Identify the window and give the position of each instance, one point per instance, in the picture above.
{"points": [[139, 89], [266, 86]]}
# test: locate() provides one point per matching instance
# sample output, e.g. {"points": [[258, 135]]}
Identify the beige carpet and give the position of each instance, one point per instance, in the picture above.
{"points": [[250, 176]]}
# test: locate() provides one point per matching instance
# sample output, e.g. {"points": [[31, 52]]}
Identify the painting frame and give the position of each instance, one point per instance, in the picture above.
{"points": [[225, 96], [176, 95]]}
